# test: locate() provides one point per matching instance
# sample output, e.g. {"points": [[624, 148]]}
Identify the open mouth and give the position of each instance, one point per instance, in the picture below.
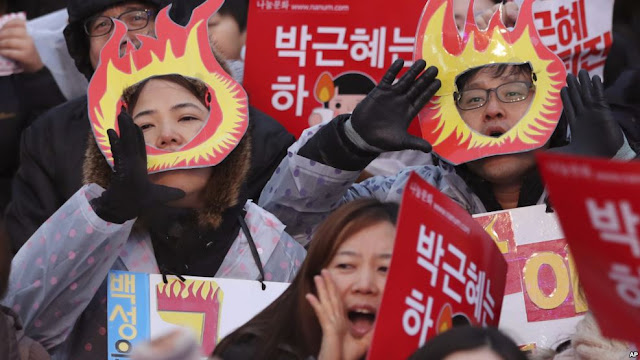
{"points": [[362, 320], [494, 131]]}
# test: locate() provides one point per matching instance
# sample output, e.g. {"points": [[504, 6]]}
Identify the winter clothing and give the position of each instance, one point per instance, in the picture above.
{"points": [[52, 154], [14, 345], [304, 190], [18, 108], [588, 344], [62, 297]]}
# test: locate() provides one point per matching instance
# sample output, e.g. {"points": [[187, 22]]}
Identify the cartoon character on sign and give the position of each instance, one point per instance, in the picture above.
{"points": [[176, 50], [193, 304], [446, 120], [340, 95]]}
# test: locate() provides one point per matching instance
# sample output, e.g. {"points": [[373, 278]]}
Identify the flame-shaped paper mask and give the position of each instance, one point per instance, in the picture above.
{"points": [[439, 43], [176, 50]]}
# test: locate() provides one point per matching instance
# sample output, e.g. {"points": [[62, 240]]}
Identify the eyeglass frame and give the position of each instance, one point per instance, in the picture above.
{"points": [[458, 95], [150, 13]]}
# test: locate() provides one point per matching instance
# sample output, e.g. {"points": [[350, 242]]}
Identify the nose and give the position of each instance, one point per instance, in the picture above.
{"points": [[169, 139], [493, 109], [366, 283]]}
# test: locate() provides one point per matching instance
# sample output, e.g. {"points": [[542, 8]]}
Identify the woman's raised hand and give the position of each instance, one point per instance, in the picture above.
{"points": [[130, 190], [337, 341]]}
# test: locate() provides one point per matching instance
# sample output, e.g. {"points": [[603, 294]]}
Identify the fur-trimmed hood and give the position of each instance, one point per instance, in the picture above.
{"points": [[223, 189]]}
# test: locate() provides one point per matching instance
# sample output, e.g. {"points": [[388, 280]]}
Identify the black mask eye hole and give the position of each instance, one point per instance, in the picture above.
{"points": [[338, 105]]}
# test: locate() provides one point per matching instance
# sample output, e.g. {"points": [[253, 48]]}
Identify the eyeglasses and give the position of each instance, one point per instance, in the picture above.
{"points": [[102, 25], [510, 92]]}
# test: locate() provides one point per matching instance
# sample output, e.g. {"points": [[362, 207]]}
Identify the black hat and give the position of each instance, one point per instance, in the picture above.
{"points": [[77, 40]]}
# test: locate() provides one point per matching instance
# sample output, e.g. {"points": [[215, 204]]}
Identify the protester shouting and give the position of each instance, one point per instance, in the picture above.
{"points": [[330, 308]]}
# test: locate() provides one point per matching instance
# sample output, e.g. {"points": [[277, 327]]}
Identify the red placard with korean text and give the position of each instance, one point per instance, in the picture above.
{"points": [[309, 60], [578, 31], [598, 204], [445, 269]]}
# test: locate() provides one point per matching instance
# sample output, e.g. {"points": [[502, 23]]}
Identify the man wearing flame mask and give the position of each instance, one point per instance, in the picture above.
{"points": [[318, 174], [52, 150]]}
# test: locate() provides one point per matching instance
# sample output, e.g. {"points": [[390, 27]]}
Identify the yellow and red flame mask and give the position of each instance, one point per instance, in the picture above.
{"points": [[176, 50], [439, 43]]}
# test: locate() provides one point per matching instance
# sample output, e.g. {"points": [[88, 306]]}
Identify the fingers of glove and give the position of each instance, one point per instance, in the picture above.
{"points": [[393, 71], [574, 93], [585, 87], [116, 148], [598, 91], [160, 194], [409, 77], [416, 143], [140, 144], [127, 134], [569, 111], [426, 96], [420, 85]]}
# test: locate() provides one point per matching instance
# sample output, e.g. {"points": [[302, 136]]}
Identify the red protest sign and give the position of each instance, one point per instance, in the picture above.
{"points": [[445, 269], [307, 62], [598, 204]]}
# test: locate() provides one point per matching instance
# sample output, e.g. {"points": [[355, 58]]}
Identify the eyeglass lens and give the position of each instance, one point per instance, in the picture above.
{"points": [[134, 19], [508, 93]]}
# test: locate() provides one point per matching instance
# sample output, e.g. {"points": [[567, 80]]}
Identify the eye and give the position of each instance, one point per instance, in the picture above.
{"points": [[344, 266], [145, 126], [188, 118], [383, 269], [100, 24]]}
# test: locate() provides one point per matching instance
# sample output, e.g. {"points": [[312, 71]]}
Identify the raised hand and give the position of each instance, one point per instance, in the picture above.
{"points": [[594, 132], [383, 117], [16, 44], [337, 342], [130, 191]]}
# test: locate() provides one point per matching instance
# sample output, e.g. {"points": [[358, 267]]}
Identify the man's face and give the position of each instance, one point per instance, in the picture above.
{"points": [[496, 118], [226, 36], [97, 43], [344, 104]]}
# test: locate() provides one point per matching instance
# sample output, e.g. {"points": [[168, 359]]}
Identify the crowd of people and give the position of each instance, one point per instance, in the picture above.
{"points": [[292, 210]]}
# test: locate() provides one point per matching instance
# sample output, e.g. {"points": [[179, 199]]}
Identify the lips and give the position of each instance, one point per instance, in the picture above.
{"points": [[494, 131], [362, 319]]}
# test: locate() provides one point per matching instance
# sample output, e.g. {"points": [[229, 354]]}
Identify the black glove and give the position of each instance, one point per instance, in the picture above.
{"points": [[382, 118], [594, 132], [130, 190]]}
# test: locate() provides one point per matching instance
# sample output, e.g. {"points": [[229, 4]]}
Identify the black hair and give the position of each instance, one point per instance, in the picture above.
{"points": [[469, 338], [237, 9], [498, 71], [354, 84]]}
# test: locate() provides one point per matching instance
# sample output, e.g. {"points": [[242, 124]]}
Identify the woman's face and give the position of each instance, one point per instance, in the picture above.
{"points": [[359, 270], [170, 116]]}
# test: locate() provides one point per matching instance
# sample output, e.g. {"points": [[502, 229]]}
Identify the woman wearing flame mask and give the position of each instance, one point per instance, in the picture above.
{"points": [[174, 222]]}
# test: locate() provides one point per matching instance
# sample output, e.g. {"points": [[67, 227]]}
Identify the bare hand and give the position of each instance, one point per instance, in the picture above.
{"points": [[17, 45], [337, 341], [509, 15]]}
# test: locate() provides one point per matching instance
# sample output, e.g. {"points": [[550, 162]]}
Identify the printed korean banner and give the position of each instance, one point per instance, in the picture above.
{"points": [[598, 203], [457, 274], [308, 60], [578, 31], [542, 301], [141, 307]]}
